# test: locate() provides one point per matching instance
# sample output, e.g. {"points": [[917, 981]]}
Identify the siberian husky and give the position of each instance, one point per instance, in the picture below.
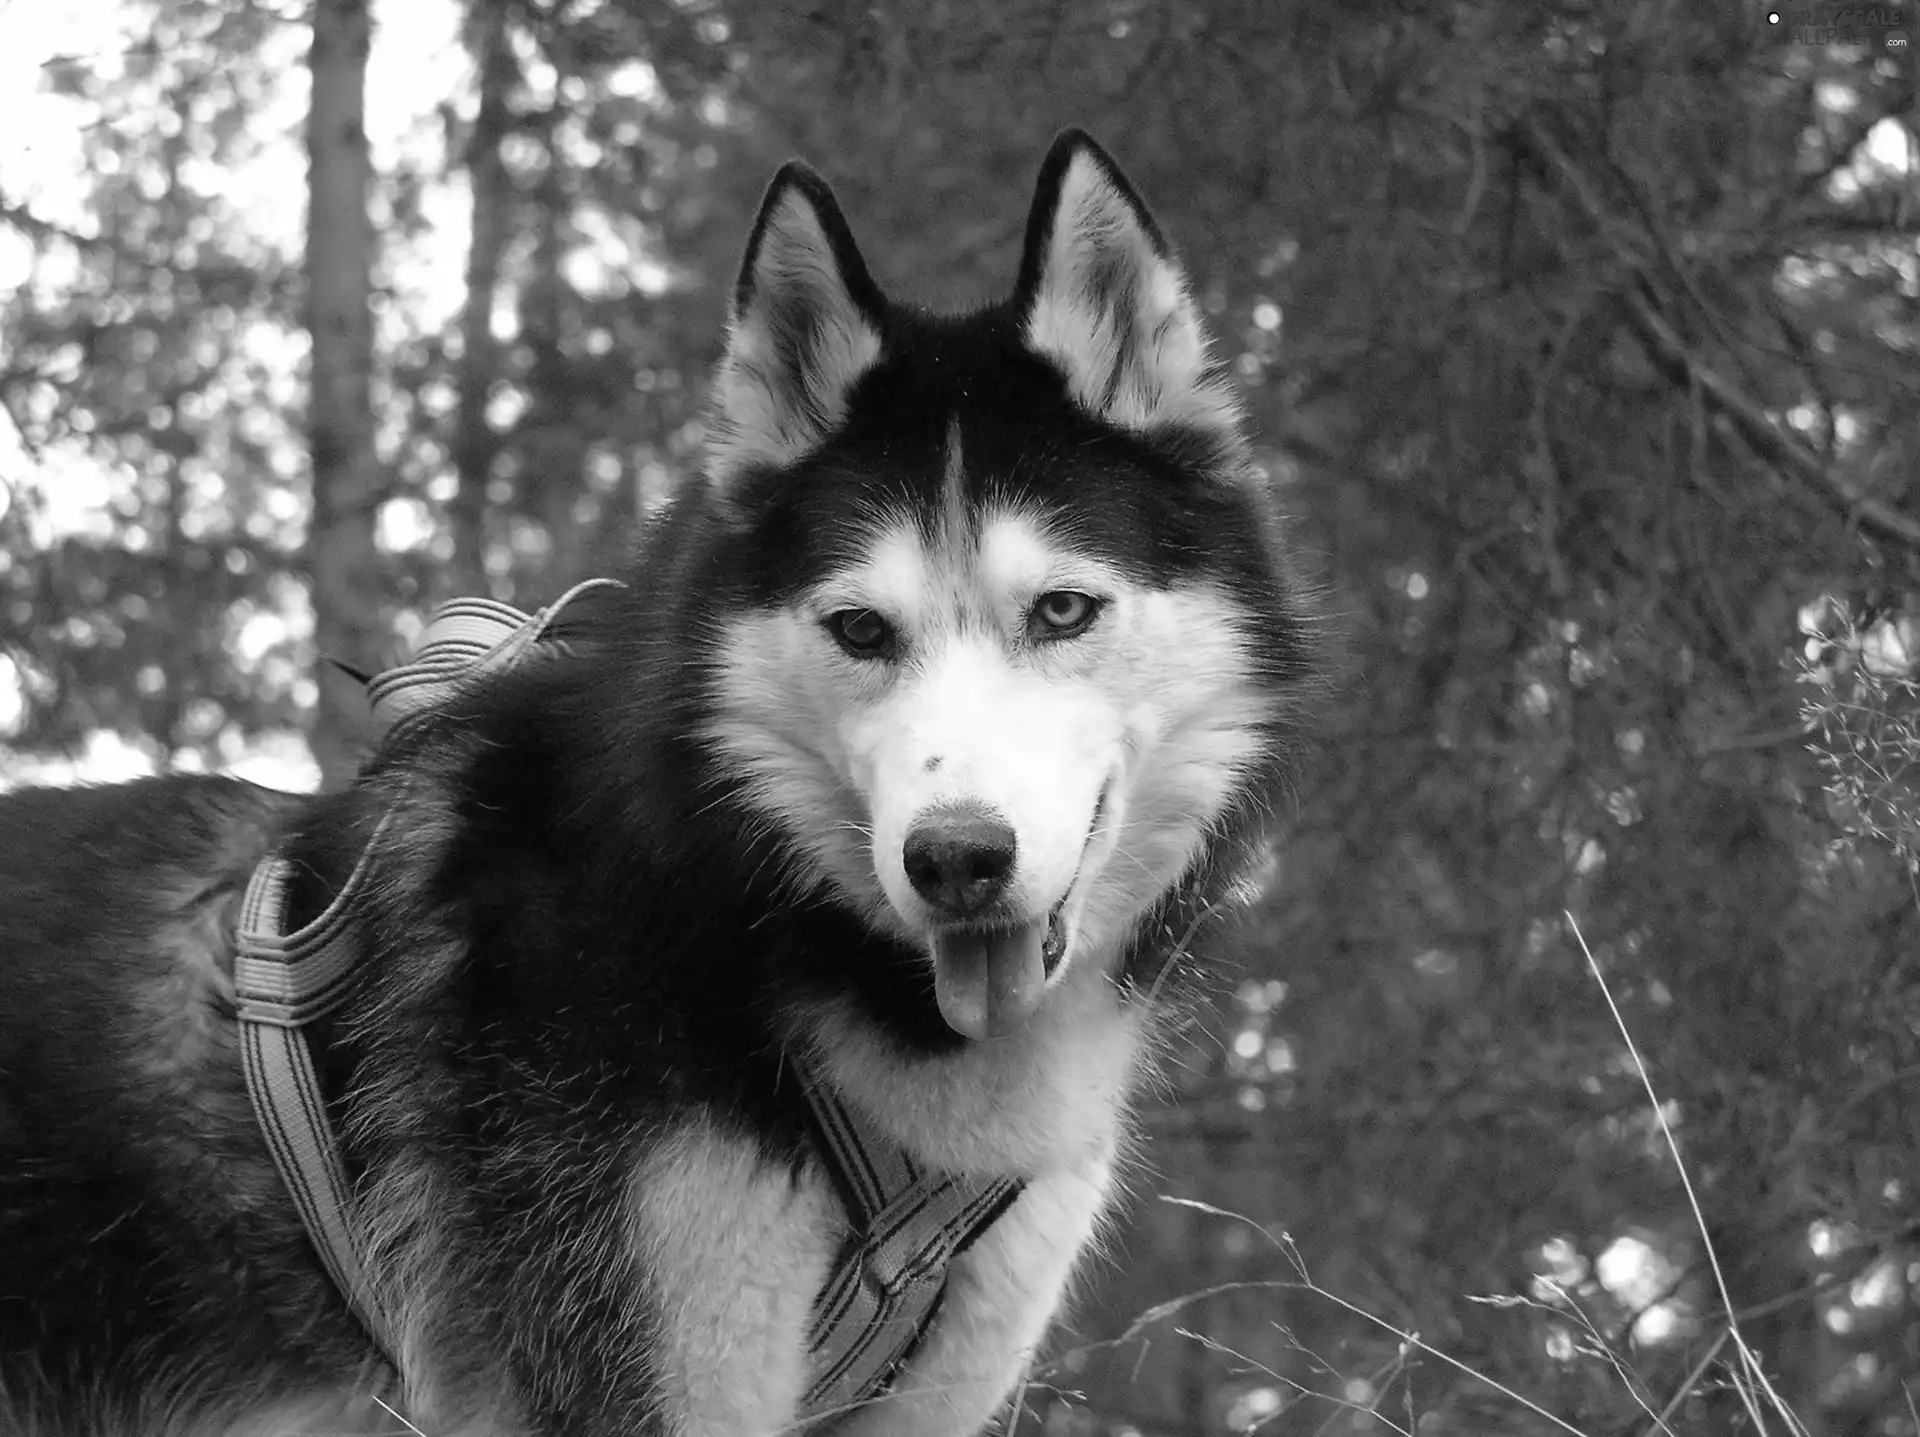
{"points": [[932, 719]]}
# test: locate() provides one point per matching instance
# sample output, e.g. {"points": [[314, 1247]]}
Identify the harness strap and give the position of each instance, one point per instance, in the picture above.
{"points": [[283, 981], [466, 639], [907, 1225]]}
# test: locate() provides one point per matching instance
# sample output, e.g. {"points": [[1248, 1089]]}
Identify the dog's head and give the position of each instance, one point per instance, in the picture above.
{"points": [[1010, 641]]}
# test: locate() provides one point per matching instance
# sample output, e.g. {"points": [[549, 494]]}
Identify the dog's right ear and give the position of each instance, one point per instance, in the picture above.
{"points": [[805, 326]]}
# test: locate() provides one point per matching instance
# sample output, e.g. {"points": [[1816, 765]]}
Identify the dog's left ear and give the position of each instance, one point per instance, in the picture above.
{"points": [[805, 326], [1102, 297]]}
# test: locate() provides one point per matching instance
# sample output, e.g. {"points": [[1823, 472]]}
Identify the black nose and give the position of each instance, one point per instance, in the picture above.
{"points": [[958, 859]]}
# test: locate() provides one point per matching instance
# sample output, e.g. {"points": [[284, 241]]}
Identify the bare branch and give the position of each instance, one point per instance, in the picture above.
{"points": [[1759, 429], [1666, 347]]}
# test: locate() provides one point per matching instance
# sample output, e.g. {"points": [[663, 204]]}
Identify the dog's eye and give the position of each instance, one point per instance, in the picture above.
{"points": [[862, 633], [1062, 614]]}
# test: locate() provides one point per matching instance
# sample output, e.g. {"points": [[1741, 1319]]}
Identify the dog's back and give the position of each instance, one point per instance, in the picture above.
{"points": [[145, 1227]]}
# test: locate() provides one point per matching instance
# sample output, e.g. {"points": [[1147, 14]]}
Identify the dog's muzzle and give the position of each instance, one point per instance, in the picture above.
{"points": [[989, 974]]}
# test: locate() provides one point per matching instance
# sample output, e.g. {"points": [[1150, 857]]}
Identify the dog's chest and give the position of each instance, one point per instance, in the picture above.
{"points": [[736, 1247]]}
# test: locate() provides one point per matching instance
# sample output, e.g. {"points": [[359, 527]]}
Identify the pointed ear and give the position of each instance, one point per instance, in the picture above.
{"points": [[1102, 297], [805, 326]]}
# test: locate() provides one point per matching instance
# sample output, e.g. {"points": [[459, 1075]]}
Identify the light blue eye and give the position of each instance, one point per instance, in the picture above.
{"points": [[1062, 614]]}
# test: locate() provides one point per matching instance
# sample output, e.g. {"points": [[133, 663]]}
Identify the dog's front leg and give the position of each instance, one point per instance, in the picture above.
{"points": [[735, 1247], [1001, 1294]]}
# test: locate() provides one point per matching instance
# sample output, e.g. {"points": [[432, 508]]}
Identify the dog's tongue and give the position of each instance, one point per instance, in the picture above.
{"points": [[989, 983]]}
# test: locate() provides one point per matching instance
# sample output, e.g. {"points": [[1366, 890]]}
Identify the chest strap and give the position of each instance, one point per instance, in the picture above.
{"points": [[907, 1224]]}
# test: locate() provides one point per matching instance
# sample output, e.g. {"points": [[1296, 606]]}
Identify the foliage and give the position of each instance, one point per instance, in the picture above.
{"points": [[1581, 339], [1864, 709], [147, 364]]}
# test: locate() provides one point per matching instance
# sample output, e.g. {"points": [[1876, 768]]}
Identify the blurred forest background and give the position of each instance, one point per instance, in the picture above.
{"points": [[1583, 339]]}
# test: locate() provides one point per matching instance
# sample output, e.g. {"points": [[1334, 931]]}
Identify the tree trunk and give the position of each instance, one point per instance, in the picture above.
{"points": [[346, 473], [474, 442]]}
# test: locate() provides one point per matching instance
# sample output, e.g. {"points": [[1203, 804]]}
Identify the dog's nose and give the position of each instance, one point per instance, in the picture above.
{"points": [[958, 859]]}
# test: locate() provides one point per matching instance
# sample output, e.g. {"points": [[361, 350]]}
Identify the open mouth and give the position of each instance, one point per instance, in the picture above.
{"points": [[1054, 946], [989, 980]]}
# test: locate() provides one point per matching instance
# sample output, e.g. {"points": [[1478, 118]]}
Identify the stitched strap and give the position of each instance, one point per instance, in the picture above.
{"points": [[282, 980], [908, 1226], [467, 638]]}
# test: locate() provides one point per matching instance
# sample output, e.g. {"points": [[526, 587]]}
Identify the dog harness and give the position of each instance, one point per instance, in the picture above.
{"points": [[907, 1224]]}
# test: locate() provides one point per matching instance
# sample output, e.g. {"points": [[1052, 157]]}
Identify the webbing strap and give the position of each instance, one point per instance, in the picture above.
{"points": [[907, 1224], [908, 1227], [270, 974], [283, 981], [467, 638]]}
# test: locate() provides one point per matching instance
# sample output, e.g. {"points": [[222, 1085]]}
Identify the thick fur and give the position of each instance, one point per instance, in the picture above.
{"points": [[626, 894]]}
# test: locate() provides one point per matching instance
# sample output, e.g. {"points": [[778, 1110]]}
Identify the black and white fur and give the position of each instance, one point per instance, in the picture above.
{"points": [[1008, 573]]}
